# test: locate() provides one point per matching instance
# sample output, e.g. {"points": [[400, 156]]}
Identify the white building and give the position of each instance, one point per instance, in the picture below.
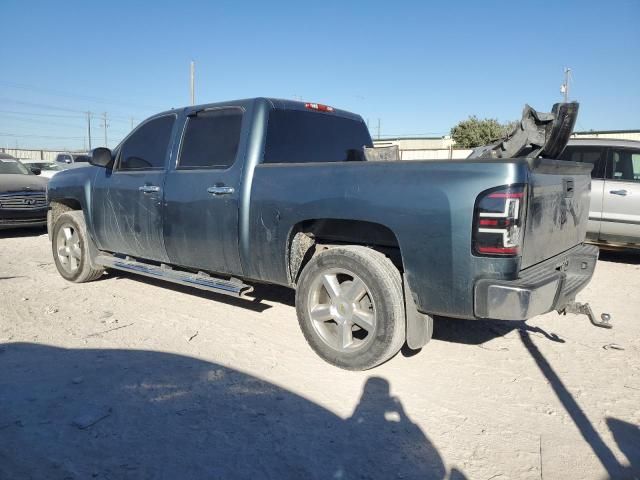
{"points": [[411, 148], [437, 148]]}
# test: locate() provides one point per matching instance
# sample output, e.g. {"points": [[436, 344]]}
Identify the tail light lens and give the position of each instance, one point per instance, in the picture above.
{"points": [[498, 221]]}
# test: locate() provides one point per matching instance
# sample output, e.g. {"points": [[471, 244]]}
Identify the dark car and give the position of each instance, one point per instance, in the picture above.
{"points": [[23, 200]]}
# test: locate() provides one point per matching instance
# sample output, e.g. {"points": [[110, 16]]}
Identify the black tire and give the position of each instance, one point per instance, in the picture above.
{"points": [[383, 292], [84, 271]]}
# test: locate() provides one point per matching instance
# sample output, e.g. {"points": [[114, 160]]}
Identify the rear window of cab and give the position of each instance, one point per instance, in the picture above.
{"points": [[295, 136]]}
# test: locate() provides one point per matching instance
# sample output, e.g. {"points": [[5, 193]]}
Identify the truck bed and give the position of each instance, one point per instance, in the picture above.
{"points": [[429, 206]]}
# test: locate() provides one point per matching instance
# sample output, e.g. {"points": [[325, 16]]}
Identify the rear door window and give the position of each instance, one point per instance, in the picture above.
{"points": [[211, 139], [587, 154], [146, 148], [295, 136], [625, 165]]}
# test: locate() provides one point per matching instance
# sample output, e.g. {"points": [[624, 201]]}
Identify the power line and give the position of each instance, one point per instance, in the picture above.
{"points": [[564, 88], [74, 95], [38, 114], [40, 122], [89, 128], [28, 135], [121, 118], [40, 105], [4, 134], [105, 125], [193, 82], [82, 117]]}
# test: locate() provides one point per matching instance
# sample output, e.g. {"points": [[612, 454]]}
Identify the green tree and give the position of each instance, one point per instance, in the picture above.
{"points": [[474, 132]]}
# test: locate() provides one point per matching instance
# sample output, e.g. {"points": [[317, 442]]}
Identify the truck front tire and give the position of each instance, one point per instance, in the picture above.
{"points": [[70, 246], [350, 306]]}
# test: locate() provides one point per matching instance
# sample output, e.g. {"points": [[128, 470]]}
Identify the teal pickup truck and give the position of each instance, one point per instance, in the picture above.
{"points": [[222, 195]]}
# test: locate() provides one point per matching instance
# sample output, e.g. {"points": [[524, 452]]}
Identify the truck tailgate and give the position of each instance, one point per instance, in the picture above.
{"points": [[558, 208]]}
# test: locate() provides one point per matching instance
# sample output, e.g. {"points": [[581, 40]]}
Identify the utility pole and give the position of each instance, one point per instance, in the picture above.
{"points": [[564, 88], [89, 128], [105, 125], [193, 82], [378, 129]]}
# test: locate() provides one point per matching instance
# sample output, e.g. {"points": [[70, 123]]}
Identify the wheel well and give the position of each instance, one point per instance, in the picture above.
{"points": [[312, 236], [60, 206]]}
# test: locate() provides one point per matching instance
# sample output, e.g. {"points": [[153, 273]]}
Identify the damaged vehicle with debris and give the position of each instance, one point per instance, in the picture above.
{"points": [[223, 195]]}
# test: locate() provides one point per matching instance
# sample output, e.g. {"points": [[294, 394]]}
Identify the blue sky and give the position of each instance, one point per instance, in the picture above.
{"points": [[418, 66]]}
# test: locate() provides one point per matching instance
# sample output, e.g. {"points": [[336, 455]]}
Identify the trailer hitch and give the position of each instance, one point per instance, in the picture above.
{"points": [[585, 309]]}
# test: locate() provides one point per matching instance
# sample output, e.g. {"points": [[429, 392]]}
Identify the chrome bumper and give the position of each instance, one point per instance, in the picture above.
{"points": [[547, 286]]}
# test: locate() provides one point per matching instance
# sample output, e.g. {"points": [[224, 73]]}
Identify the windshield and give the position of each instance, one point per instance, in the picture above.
{"points": [[80, 158], [13, 167]]}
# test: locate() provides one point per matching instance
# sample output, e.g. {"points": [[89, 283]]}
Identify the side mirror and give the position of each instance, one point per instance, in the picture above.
{"points": [[101, 157], [36, 170], [67, 160]]}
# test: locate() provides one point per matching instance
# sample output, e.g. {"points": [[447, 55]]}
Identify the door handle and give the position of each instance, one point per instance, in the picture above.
{"points": [[619, 192], [220, 190], [149, 189]]}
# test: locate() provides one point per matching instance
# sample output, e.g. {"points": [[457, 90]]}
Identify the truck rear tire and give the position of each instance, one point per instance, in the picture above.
{"points": [[350, 307], [70, 246]]}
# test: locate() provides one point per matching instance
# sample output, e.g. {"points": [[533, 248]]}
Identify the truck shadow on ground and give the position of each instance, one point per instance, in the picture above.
{"points": [[620, 256], [139, 414], [255, 301], [23, 232], [477, 332], [627, 441], [627, 436]]}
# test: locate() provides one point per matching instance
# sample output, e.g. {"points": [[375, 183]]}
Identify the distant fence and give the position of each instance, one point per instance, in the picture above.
{"points": [[406, 154], [434, 154], [47, 155]]}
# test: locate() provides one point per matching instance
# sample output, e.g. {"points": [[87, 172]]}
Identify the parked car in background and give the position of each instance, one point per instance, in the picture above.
{"points": [[47, 169], [68, 160], [614, 214], [23, 200]]}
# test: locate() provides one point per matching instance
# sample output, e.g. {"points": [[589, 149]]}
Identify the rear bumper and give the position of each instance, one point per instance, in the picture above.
{"points": [[547, 286]]}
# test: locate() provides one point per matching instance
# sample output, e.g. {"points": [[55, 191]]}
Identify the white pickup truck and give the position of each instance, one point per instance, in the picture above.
{"points": [[614, 214]]}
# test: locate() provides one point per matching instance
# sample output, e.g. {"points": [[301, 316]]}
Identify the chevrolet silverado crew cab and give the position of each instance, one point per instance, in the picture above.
{"points": [[223, 195]]}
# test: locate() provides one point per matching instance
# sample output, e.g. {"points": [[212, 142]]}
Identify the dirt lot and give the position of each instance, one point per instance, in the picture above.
{"points": [[122, 378]]}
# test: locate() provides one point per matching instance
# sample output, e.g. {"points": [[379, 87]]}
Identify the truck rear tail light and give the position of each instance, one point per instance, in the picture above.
{"points": [[497, 226], [319, 107]]}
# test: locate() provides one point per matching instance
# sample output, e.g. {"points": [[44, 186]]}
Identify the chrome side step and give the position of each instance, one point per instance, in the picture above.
{"points": [[199, 280]]}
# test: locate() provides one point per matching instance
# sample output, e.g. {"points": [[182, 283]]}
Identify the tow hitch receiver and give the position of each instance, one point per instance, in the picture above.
{"points": [[585, 309]]}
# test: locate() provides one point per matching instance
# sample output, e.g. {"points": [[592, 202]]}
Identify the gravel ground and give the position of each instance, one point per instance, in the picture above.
{"points": [[132, 378]]}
